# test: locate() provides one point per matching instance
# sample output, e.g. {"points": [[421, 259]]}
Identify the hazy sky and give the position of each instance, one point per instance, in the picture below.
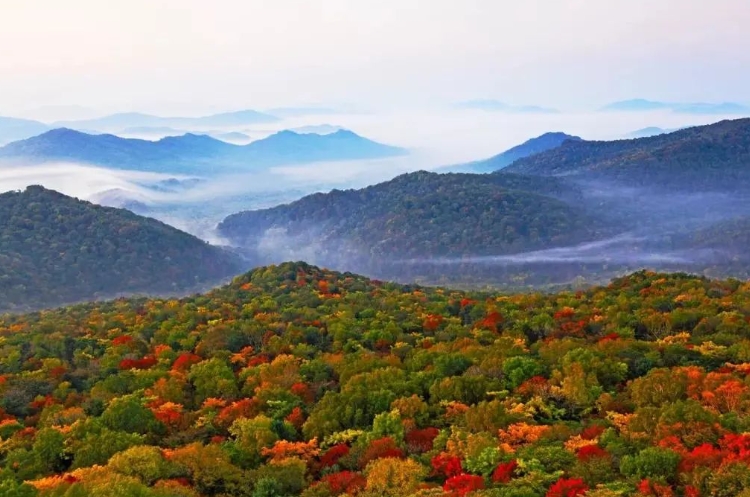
{"points": [[191, 56]]}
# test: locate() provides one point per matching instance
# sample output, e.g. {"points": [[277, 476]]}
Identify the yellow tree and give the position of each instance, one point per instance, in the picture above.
{"points": [[394, 477]]}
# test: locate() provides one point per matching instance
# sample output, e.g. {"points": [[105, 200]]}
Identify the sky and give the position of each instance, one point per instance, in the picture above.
{"points": [[190, 57]]}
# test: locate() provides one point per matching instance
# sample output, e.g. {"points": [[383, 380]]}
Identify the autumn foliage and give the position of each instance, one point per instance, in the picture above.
{"points": [[280, 385]]}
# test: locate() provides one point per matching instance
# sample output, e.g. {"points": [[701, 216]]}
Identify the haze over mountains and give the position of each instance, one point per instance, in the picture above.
{"points": [[555, 207], [192, 153], [643, 105], [700, 158], [12, 129], [116, 122], [613, 206]]}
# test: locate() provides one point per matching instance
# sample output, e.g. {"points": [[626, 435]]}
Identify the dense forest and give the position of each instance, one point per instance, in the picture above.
{"points": [[55, 249], [416, 215], [701, 158], [294, 380]]}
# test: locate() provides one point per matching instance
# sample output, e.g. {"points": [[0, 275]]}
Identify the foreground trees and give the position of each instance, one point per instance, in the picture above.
{"points": [[299, 381]]}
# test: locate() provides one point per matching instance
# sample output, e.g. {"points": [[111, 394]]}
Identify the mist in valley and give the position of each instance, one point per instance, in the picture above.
{"points": [[642, 228]]}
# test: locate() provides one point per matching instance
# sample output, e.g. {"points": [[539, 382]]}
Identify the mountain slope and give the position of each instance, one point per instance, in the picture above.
{"points": [[533, 146], [56, 249], [714, 157], [191, 153], [413, 216]]}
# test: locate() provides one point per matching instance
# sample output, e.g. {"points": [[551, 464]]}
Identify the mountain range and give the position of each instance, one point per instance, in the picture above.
{"points": [[14, 129], [565, 208], [158, 132], [56, 249], [611, 207], [117, 122], [642, 105], [192, 153], [713, 157]]}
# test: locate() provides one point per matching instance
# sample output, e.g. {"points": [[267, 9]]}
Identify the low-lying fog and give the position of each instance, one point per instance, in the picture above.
{"points": [[436, 138]]}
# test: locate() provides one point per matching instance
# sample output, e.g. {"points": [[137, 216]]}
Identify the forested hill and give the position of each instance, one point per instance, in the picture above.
{"points": [[56, 249], [295, 380], [716, 157], [415, 215]]}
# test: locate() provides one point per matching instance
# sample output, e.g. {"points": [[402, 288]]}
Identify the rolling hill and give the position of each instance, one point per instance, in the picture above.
{"points": [[417, 215], [191, 153], [713, 157], [56, 249]]}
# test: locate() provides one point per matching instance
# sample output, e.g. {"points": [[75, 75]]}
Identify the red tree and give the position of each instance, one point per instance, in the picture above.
{"points": [[446, 465], [462, 484], [567, 487], [504, 471]]}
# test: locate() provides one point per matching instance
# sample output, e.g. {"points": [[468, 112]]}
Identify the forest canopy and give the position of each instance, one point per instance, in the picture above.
{"points": [[294, 380], [56, 249]]}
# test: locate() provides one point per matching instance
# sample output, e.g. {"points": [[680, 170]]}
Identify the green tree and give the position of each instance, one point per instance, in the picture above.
{"points": [[213, 378]]}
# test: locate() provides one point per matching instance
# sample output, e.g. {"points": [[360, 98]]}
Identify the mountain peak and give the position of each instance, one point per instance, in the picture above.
{"points": [[538, 144], [344, 133], [62, 133]]}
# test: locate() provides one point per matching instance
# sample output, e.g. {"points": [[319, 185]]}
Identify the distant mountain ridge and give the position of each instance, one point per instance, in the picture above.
{"points": [[714, 157], [532, 146], [192, 153], [642, 105], [119, 121], [13, 129], [56, 249]]}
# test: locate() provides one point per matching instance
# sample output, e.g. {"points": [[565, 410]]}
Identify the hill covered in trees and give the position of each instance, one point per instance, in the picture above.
{"points": [[713, 157], [56, 249], [415, 215], [299, 381]]}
